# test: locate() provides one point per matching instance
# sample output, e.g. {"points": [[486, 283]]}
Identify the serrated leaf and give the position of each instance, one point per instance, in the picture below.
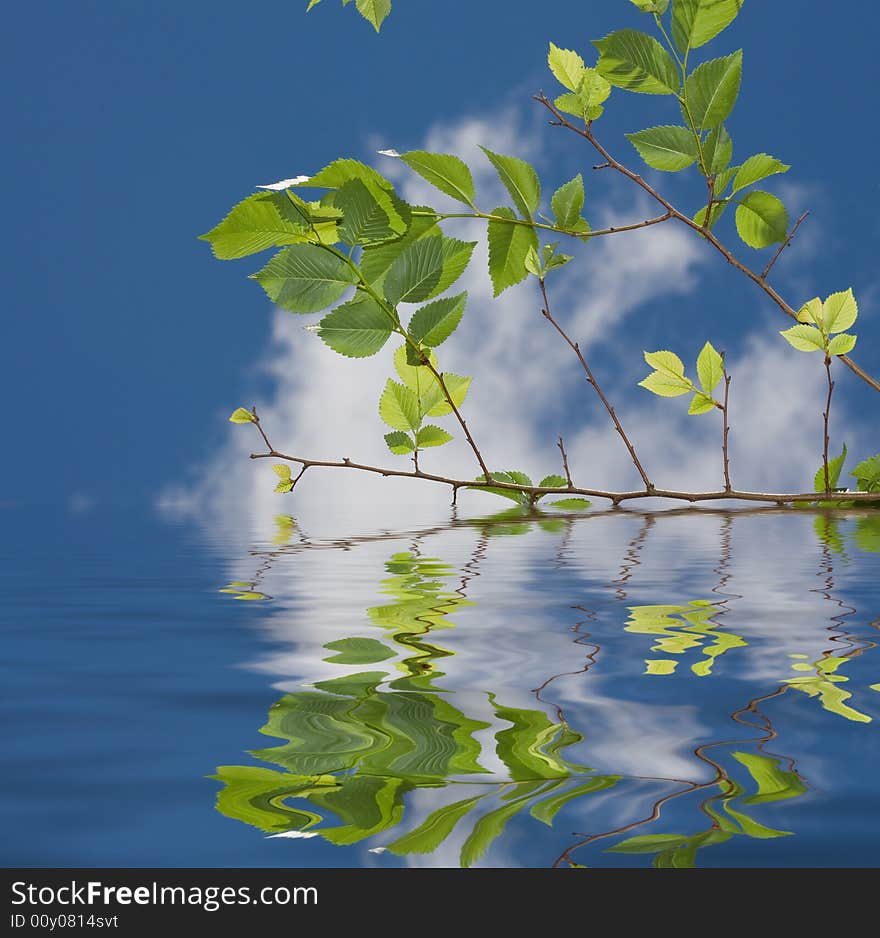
{"points": [[710, 367], [374, 11], [842, 344], [568, 202], [840, 311], [261, 221], [508, 246], [282, 471], [712, 89], [357, 329], [241, 415], [415, 273], [867, 473], [835, 467], [804, 338], [364, 220], [717, 211], [666, 362], [520, 180], [456, 256], [399, 407], [376, 259], [665, 385], [285, 485], [429, 435], [701, 404], [695, 22], [668, 148], [533, 263], [399, 442], [571, 504], [445, 172], [637, 62], [717, 152], [756, 168], [305, 278], [813, 312], [552, 482], [457, 386], [567, 67], [761, 219], [433, 323]]}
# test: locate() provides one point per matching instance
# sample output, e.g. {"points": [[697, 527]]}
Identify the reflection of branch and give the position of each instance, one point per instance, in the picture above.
{"points": [[631, 558]]}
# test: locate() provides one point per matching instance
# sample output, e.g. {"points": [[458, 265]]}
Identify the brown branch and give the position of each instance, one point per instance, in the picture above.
{"points": [[827, 416], [545, 312], [561, 446], [610, 163], [725, 409], [765, 273]]}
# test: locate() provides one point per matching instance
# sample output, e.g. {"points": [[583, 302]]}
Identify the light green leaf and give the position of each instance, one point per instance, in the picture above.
{"points": [[586, 102], [667, 362], [552, 482], [840, 311], [532, 262], [571, 504], [804, 338], [665, 385], [446, 172], [568, 202], [428, 836], [835, 467], [399, 407], [651, 6], [774, 784], [813, 312], [334, 175], [756, 168], [668, 148], [430, 435], [842, 344], [637, 62], [413, 276], [868, 474], [374, 11], [399, 442], [432, 324], [712, 89], [285, 485], [701, 404], [241, 415], [695, 22], [261, 221], [567, 67], [710, 367], [357, 329], [456, 257], [717, 211], [305, 278], [364, 220], [552, 259], [376, 259], [761, 219], [282, 471], [457, 386], [717, 152], [520, 180], [508, 246]]}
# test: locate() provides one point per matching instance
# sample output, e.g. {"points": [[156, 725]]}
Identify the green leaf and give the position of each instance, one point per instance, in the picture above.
{"points": [[357, 329], [399, 442], [305, 278], [571, 504], [586, 102], [667, 362], [840, 311], [761, 219], [447, 173], [551, 259], [701, 404], [717, 211], [668, 148], [508, 246], [842, 344], [774, 784], [568, 203], [399, 407], [512, 478], [756, 168], [428, 836], [416, 272], [637, 62], [552, 482], [282, 471], [432, 324], [376, 259], [456, 385], [520, 180], [651, 6], [712, 89], [261, 221], [358, 651], [567, 67], [813, 312], [665, 385], [710, 368], [868, 474], [648, 843], [364, 220], [456, 257], [695, 22], [241, 415], [835, 467], [717, 152], [430, 435], [804, 338], [374, 11]]}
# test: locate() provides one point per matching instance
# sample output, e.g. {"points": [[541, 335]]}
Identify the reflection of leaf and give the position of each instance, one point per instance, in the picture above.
{"points": [[366, 804], [428, 836], [257, 796], [358, 651], [489, 828], [524, 746], [648, 843], [547, 809], [774, 784], [867, 534], [828, 532], [824, 686]]}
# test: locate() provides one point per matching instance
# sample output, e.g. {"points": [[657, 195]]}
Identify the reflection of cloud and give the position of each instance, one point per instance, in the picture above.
{"points": [[80, 503]]}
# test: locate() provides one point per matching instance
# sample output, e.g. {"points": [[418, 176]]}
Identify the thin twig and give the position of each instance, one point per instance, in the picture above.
{"points": [[545, 312], [726, 412], [561, 446], [586, 132], [766, 272], [827, 416]]}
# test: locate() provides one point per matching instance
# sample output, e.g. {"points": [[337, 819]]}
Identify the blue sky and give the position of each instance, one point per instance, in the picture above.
{"points": [[135, 125]]}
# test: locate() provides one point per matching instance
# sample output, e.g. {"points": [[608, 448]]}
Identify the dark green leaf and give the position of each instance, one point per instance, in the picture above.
{"points": [[448, 173], [668, 148], [305, 278], [712, 89], [520, 180], [637, 62], [432, 324], [357, 329], [508, 246]]}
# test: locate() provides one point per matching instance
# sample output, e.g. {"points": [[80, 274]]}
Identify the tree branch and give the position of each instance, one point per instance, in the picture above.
{"points": [[610, 163], [561, 446], [765, 273]]}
